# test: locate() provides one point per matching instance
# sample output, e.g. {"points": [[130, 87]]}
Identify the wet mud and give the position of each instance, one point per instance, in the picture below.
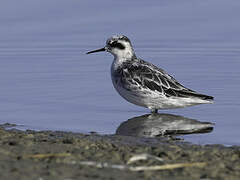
{"points": [[64, 155]]}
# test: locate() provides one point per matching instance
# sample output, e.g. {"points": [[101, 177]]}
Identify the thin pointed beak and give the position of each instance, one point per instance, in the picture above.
{"points": [[98, 50]]}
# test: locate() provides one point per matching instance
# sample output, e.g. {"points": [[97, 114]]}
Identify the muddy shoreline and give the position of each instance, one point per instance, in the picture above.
{"points": [[64, 155]]}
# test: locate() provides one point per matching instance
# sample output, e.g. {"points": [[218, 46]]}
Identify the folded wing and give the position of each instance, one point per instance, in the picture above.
{"points": [[141, 74]]}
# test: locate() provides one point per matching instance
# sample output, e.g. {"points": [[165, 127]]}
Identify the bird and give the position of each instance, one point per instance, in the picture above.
{"points": [[144, 84]]}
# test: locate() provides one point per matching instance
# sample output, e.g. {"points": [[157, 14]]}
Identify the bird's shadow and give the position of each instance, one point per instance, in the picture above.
{"points": [[153, 125]]}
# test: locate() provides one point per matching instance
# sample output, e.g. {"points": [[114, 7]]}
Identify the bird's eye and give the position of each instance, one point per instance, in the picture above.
{"points": [[115, 44]]}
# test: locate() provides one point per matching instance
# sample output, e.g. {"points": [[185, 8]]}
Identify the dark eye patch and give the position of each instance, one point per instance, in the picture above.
{"points": [[115, 44]]}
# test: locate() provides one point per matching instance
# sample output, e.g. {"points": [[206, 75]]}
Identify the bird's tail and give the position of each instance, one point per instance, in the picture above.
{"points": [[195, 95]]}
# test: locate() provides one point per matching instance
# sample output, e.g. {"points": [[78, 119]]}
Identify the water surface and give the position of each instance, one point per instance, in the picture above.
{"points": [[48, 82]]}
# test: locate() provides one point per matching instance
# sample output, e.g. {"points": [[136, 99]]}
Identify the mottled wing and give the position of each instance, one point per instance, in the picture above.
{"points": [[141, 74]]}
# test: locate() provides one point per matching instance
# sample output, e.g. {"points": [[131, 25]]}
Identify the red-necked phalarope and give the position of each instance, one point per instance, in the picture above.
{"points": [[144, 84]]}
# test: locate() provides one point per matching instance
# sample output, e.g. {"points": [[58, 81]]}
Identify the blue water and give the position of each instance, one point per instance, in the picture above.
{"points": [[48, 82]]}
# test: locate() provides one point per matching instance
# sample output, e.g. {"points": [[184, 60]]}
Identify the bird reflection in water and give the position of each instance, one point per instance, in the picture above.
{"points": [[152, 125]]}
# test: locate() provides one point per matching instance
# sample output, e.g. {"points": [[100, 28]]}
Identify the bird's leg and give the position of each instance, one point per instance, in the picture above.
{"points": [[154, 111]]}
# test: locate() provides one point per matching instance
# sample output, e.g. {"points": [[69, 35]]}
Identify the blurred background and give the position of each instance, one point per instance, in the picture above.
{"points": [[47, 82]]}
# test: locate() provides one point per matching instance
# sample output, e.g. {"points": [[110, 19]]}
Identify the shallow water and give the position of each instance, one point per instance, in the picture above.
{"points": [[48, 82]]}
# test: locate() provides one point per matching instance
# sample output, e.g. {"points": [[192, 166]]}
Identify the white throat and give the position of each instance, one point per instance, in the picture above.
{"points": [[123, 54]]}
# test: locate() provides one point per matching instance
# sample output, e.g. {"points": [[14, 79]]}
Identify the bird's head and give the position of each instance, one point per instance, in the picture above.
{"points": [[119, 46]]}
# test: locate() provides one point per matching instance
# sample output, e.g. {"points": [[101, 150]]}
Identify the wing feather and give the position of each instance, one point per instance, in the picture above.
{"points": [[141, 74], [146, 75]]}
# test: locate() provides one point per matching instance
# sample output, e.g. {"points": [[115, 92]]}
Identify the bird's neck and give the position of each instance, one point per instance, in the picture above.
{"points": [[124, 56], [119, 61]]}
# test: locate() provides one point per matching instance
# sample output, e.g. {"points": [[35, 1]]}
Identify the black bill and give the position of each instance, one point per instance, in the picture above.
{"points": [[98, 50]]}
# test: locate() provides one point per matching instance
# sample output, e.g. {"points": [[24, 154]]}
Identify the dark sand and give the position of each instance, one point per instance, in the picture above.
{"points": [[62, 155]]}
